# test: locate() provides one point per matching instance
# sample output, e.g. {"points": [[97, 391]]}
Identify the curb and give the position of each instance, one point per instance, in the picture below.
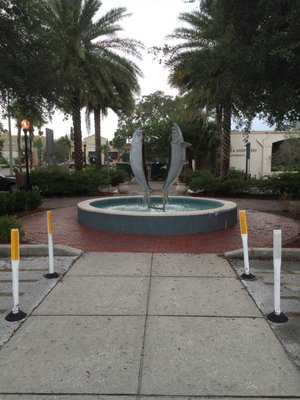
{"points": [[40, 250], [264, 253]]}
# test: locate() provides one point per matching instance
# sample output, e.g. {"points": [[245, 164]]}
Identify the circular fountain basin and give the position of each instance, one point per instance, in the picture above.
{"points": [[183, 215]]}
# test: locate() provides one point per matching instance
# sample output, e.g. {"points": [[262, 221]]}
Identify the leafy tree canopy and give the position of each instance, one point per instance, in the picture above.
{"points": [[25, 61], [155, 114], [243, 52]]}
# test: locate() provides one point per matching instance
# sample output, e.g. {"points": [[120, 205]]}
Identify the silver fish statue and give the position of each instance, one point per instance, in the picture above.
{"points": [[137, 160], [178, 155]]}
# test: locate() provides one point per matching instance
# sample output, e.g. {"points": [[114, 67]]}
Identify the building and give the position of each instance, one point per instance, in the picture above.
{"points": [[90, 153], [33, 151], [262, 146]]}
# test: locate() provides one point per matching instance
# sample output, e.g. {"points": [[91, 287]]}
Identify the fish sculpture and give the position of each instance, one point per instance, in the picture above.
{"points": [[177, 157], [137, 160]]}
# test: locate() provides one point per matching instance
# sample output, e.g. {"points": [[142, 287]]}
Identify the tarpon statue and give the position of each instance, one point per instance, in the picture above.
{"points": [[177, 157], [137, 160], [177, 160]]}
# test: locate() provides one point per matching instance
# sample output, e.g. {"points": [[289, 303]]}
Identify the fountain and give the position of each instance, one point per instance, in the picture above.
{"points": [[157, 214]]}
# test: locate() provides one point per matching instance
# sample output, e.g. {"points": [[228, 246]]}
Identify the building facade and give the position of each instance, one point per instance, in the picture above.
{"points": [[34, 155], [262, 146]]}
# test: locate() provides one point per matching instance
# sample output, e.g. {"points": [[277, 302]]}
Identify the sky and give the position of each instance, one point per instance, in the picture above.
{"points": [[150, 22]]}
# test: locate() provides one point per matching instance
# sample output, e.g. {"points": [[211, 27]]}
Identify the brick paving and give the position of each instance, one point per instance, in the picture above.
{"points": [[67, 231]]}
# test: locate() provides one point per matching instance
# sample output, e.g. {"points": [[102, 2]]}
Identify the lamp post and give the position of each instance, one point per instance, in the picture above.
{"points": [[25, 126]]}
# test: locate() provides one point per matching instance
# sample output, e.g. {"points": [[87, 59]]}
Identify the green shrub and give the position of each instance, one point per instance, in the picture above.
{"points": [[236, 173], [34, 200], [61, 182], [19, 201], [274, 186], [204, 181], [117, 175], [8, 222]]}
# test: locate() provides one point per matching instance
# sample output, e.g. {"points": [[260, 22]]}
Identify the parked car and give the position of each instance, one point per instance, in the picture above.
{"points": [[7, 183], [70, 164]]}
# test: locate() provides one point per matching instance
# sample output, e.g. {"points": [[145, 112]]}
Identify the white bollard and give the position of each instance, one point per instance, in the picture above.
{"points": [[15, 314], [277, 269], [51, 273], [277, 315], [244, 233]]}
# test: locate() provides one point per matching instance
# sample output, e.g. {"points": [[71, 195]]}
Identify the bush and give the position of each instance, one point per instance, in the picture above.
{"points": [[274, 186], [204, 181], [61, 182], [19, 201], [8, 222]]}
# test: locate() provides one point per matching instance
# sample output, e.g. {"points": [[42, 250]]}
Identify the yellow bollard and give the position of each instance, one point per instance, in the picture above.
{"points": [[244, 232], [15, 314]]}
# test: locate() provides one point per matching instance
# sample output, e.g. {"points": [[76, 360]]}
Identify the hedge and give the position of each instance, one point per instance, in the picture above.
{"points": [[19, 201], [8, 222], [57, 181], [274, 186]]}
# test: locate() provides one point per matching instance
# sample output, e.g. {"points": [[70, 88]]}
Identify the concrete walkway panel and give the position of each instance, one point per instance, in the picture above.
{"points": [[200, 296], [206, 398], [96, 295], [216, 357], [112, 264], [64, 355], [191, 265]]}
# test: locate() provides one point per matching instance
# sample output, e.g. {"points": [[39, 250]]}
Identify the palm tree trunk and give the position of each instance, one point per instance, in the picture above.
{"points": [[219, 119], [225, 155], [97, 122], [76, 117]]}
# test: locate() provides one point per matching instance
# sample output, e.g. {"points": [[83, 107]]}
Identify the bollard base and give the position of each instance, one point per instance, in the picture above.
{"points": [[53, 275], [12, 317], [248, 277], [278, 318]]}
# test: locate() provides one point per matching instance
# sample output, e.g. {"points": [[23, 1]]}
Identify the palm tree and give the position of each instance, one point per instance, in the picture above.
{"points": [[116, 93], [81, 45], [197, 66], [20, 110]]}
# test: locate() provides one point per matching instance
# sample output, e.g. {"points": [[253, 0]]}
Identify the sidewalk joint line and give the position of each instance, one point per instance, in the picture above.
{"points": [[144, 335], [151, 315]]}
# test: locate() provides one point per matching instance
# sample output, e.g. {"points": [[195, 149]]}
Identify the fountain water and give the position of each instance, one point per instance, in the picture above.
{"points": [[157, 215]]}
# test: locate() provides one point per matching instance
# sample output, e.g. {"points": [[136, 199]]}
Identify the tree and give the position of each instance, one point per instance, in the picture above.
{"points": [[231, 54], [19, 111], [155, 114], [80, 45], [117, 93], [287, 155], [197, 66], [61, 149], [24, 55], [1, 134]]}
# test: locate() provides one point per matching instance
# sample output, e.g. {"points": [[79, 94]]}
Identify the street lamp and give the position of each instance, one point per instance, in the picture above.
{"points": [[25, 126]]}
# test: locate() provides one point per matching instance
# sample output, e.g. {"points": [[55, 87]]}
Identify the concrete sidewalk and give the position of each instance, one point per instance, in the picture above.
{"points": [[125, 324]]}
